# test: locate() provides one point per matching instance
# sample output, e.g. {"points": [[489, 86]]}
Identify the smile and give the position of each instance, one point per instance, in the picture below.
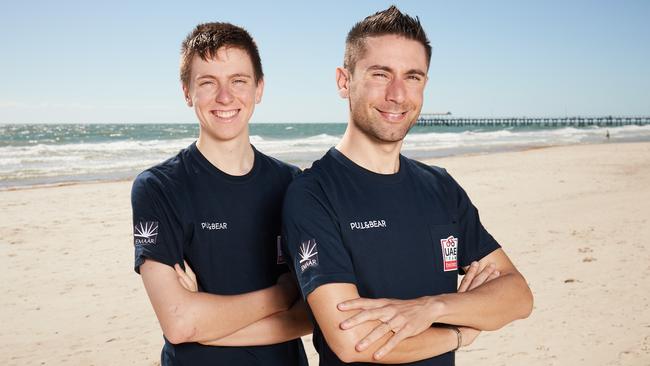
{"points": [[225, 114], [392, 116]]}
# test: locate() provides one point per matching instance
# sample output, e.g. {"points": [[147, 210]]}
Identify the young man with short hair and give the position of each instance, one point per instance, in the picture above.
{"points": [[216, 205], [377, 241]]}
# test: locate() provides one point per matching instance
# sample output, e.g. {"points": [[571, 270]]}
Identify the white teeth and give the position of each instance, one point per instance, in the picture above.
{"points": [[393, 115], [225, 114]]}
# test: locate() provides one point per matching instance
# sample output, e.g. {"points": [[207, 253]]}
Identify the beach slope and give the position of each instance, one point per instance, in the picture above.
{"points": [[574, 219]]}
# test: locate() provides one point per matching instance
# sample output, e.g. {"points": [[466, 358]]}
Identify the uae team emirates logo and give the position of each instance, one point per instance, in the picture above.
{"points": [[145, 232], [308, 255], [449, 253]]}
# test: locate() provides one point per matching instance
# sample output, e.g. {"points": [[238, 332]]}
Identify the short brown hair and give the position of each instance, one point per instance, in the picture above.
{"points": [[207, 38], [385, 22]]}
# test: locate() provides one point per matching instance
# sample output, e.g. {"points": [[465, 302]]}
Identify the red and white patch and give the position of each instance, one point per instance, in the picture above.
{"points": [[279, 251], [449, 253]]}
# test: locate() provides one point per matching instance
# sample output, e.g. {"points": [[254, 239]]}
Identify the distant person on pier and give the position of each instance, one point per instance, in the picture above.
{"points": [[376, 240]]}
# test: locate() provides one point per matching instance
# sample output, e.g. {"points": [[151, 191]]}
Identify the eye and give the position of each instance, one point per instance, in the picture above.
{"points": [[414, 77], [239, 81], [205, 83], [380, 75]]}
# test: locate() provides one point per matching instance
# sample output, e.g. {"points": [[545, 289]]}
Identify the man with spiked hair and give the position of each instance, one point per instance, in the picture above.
{"points": [[377, 241], [216, 205]]}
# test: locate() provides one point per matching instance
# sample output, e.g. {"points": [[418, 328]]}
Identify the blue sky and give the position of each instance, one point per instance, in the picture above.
{"points": [[86, 61]]}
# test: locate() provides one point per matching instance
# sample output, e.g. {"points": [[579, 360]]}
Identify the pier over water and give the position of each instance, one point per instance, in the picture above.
{"points": [[446, 120]]}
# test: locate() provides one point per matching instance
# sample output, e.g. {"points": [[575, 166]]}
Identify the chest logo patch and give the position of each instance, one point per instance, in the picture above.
{"points": [[145, 232], [449, 253], [214, 226], [371, 224], [308, 255]]}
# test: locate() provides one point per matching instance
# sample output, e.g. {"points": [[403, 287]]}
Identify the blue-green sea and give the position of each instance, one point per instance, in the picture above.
{"points": [[32, 154]]}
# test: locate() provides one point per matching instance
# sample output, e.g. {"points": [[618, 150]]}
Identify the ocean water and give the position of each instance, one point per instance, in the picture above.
{"points": [[33, 154]]}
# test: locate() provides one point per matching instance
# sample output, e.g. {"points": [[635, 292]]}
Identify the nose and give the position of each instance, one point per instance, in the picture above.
{"points": [[224, 96], [396, 91]]}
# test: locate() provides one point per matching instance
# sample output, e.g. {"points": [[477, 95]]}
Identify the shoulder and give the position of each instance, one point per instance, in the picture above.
{"points": [[279, 165], [437, 178], [162, 176], [306, 188], [433, 173]]}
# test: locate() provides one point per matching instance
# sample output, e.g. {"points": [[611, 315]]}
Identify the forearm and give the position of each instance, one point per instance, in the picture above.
{"points": [[277, 328], [487, 307], [186, 316], [215, 316], [343, 342], [430, 343]]}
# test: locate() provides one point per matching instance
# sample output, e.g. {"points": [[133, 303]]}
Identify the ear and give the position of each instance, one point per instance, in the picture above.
{"points": [[259, 91], [186, 94], [343, 82]]}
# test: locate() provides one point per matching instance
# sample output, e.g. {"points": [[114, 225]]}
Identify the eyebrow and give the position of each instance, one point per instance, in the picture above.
{"points": [[388, 69], [240, 75], [237, 75]]}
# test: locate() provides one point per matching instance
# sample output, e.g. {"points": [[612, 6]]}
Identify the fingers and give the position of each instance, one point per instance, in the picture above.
{"points": [[189, 283], [469, 276], [469, 335], [186, 285], [179, 270], [391, 343], [381, 314], [372, 337], [483, 276], [189, 271], [493, 275], [362, 304]]}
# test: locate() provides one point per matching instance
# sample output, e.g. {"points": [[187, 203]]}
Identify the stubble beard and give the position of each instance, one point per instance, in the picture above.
{"points": [[378, 131]]}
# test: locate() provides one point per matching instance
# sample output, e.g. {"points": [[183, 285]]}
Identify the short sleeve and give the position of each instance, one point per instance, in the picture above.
{"points": [[157, 233], [476, 241], [312, 240]]}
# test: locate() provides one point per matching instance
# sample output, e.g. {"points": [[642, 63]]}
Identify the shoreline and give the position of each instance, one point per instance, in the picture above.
{"points": [[422, 156]]}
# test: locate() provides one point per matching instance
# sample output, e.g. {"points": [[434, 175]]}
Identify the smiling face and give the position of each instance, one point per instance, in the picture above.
{"points": [[386, 88], [223, 92]]}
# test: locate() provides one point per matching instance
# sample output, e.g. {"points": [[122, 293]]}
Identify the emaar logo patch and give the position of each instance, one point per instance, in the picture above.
{"points": [[308, 255], [145, 232]]}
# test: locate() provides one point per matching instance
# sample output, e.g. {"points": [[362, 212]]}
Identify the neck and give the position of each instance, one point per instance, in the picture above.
{"points": [[233, 157], [377, 156]]}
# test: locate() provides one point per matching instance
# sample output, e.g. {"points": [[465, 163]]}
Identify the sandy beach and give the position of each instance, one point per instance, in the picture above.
{"points": [[574, 219]]}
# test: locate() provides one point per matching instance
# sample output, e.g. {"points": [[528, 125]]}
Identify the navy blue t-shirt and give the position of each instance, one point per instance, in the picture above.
{"points": [[402, 235], [227, 228]]}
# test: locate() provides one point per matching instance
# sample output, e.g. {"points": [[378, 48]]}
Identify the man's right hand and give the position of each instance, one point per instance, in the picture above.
{"points": [[473, 279]]}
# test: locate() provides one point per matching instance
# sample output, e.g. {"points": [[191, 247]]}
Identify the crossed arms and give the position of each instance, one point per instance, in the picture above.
{"points": [[266, 316], [399, 331], [492, 294]]}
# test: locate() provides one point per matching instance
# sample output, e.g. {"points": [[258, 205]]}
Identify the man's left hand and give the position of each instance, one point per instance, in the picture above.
{"points": [[186, 277], [405, 318]]}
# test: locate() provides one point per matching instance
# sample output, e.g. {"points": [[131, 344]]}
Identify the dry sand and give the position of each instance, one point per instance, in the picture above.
{"points": [[575, 220]]}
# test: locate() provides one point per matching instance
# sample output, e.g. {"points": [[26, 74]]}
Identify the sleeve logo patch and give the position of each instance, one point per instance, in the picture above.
{"points": [[145, 232], [449, 253], [280, 257], [308, 255]]}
